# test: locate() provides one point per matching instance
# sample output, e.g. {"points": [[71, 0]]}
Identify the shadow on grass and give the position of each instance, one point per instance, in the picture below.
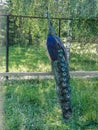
{"points": [[83, 62]]}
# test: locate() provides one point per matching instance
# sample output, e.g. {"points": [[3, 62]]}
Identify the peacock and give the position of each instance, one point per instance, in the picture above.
{"points": [[59, 62]]}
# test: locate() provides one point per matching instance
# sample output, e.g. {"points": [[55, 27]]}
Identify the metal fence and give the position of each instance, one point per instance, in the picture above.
{"points": [[23, 47]]}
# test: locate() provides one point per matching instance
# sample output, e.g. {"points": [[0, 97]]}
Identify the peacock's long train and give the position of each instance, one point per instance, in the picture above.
{"points": [[60, 68]]}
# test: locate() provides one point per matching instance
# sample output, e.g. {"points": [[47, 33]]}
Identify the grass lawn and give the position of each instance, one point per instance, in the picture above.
{"points": [[34, 58], [33, 105], [2, 58]]}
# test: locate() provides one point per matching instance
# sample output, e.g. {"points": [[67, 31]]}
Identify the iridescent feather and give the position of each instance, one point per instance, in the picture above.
{"points": [[60, 68]]}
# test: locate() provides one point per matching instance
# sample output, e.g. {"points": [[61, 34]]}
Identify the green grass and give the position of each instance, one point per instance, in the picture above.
{"points": [[34, 58], [83, 57], [33, 105], [2, 58], [29, 58]]}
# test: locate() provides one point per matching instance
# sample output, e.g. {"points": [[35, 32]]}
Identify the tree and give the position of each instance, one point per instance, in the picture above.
{"points": [[82, 14]]}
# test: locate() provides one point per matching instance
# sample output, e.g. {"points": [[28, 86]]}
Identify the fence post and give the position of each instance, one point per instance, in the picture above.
{"points": [[7, 44], [59, 27]]}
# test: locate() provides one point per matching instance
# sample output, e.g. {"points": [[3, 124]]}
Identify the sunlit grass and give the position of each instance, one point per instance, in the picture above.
{"points": [[34, 58], [83, 57], [33, 105], [28, 59]]}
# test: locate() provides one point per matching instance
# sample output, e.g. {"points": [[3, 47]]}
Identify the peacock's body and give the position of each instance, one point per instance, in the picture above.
{"points": [[58, 56]]}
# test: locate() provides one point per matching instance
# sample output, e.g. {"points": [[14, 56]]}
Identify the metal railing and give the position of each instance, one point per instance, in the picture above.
{"points": [[59, 21]]}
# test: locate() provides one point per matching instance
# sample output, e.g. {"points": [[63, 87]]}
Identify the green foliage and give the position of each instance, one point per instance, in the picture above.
{"points": [[84, 8], [26, 31], [84, 25], [60, 8], [85, 30]]}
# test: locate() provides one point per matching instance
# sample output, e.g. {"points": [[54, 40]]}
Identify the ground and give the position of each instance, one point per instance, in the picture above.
{"points": [[1, 106]]}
